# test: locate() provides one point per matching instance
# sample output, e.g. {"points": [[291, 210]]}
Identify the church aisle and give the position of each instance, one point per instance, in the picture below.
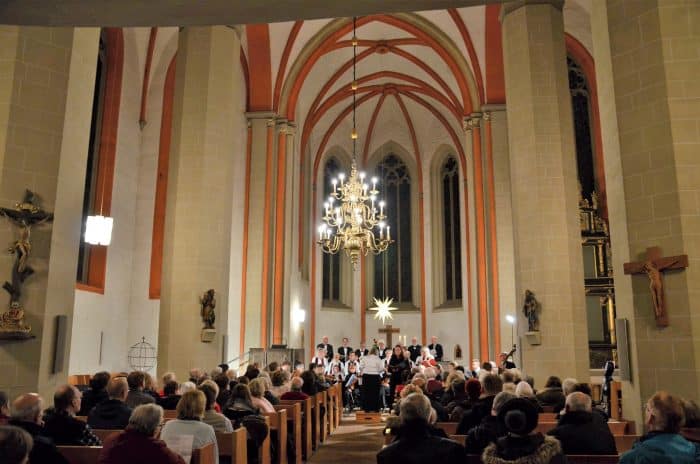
{"points": [[350, 443]]}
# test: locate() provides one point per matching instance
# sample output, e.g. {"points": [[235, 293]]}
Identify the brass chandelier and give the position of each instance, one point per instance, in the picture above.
{"points": [[350, 212]]}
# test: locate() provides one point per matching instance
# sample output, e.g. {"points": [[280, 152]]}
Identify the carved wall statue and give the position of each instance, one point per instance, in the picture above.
{"points": [[208, 302], [531, 310], [24, 215]]}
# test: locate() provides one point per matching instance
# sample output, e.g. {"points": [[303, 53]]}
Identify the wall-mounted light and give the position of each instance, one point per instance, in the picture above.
{"points": [[298, 315], [511, 320], [98, 230]]}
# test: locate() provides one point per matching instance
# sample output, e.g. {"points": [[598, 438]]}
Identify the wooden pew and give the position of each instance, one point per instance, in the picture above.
{"points": [[306, 425], [461, 439], [103, 434], [330, 410], [203, 455], [278, 424], [625, 442], [315, 422], [169, 414], [592, 459], [450, 428], [547, 417], [294, 427], [80, 454], [616, 427], [339, 403], [264, 450], [233, 445], [321, 422]]}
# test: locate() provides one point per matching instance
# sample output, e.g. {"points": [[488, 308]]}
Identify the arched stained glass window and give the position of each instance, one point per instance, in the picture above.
{"points": [[331, 263], [393, 275], [449, 177]]}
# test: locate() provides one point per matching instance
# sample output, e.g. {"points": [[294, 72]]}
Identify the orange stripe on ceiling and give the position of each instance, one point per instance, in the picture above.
{"points": [[283, 63], [495, 79], [260, 67], [584, 59], [166, 123], [470, 49], [480, 243], [493, 246], [246, 222], [265, 274], [97, 262], [279, 237], [147, 74]]}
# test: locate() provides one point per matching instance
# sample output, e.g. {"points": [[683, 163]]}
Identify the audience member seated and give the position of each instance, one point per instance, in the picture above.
{"points": [[552, 395], [257, 391], [663, 443], [4, 408], [15, 445], [195, 374], [568, 386], [580, 431], [113, 413], [150, 386], [167, 377], [25, 413], [224, 396], [415, 444], [267, 384], [524, 390], [519, 444], [491, 427], [190, 411], [473, 391], [241, 405], [251, 372], [139, 443], [457, 392], [61, 424], [219, 422], [187, 387], [691, 429], [295, 390], [491, 385], [96, 394], [419, 381], [280, 382], [171, 397], [136, 396]]}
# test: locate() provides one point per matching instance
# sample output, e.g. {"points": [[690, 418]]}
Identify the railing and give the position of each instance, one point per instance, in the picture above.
{"points": [[239, 362]]}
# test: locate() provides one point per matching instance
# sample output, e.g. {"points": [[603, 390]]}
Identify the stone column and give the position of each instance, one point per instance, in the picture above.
{"points": [[47, 77], [197, 238], [544, 187], [653, 50]]}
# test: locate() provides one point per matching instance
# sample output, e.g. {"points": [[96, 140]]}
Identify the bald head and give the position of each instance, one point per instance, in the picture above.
{"points": [[27, 408], [118, 388], [67, 398], [578, 401], [296, 384]]}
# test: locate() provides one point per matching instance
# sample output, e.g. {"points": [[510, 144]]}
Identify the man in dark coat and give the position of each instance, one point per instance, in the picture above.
{"points": [[96, 394], [415, 444], [26, 414], [345, 350], [137, 396], [326, 346], [414, 348], [580, 431], [491, 386], [112, 414], [491, 427], [61, 424]]}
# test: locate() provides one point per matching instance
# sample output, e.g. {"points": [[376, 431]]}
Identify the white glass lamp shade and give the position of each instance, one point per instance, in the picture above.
{"points": [[98, 230]]}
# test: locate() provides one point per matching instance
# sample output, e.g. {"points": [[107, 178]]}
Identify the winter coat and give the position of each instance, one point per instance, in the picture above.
{"points": [[531, 449], [484, 434], [662, 448], [92, 398], [473, 417], [44, 449], [418, 446], [582, 432], [552, 397], [110, 415]]}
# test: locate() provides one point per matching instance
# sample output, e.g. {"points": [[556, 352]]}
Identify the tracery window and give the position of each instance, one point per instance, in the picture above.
{"points": [[331, 263], [393, 273], [452, 245]]}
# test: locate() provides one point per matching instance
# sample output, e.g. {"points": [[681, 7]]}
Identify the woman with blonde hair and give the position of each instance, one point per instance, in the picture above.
{"points": [[190, 411], [257, 393]]}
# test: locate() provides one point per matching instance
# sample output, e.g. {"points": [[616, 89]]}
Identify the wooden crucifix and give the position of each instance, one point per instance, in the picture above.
{"points": [[654, 267], [388, 331]]}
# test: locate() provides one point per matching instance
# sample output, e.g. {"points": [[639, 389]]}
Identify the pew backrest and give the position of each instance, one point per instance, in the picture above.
{"points": [[625, 442], [80, 454], [234, 445], [203, 455], [103, 434], [278, 423], [450, 428]]}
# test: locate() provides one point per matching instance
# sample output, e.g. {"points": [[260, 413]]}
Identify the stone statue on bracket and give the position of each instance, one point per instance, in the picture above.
{"points": [[208, 303], [531, 310]]}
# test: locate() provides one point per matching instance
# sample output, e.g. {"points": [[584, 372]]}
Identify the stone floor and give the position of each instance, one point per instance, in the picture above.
{"points": [[350, 443]]}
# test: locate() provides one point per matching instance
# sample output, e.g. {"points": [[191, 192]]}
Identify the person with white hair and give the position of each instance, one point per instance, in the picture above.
{"points": [[580, 431], [524, 390], [415, 443], [25, 413], [139, 444]]}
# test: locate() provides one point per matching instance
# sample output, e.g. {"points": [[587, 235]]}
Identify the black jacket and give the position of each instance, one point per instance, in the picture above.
{"points": [[417, 446], [552, 397], [582, 432], [92, 398], [329, 350], [44, 450], [169, 402], [475, 415], [110, 415], [415, 351], [438, 351], [344, 352], [484, 434], [66, 430], [137, 398]]}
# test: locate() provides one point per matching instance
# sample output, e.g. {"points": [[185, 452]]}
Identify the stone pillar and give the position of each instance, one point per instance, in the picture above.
{"points": [[653, 49], [197, 238], [47, 77], [544, 187]]}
